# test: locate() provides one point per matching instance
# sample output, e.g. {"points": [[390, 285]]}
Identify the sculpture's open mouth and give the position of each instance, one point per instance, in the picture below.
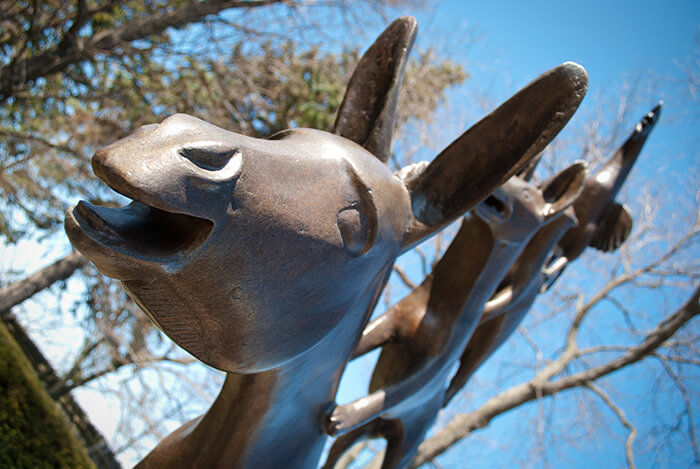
{"points": [[141, 231]]}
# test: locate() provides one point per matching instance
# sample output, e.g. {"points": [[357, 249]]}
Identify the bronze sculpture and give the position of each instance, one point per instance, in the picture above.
{"points": [[265, 258], [528, 276], [568, 237], [603, 223], [506, 309], [425, 333]]}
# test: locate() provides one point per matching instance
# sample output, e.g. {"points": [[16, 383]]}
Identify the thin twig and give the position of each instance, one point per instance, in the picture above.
{"points": [[623, 420]]}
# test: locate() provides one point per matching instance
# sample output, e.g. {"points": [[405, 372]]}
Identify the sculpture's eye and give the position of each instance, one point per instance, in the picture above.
{"points": [[356, 230], [357, 222], [526, 195], [211, 159]]}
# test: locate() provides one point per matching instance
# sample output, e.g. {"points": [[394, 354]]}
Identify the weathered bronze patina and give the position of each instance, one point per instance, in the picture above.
{"points": [[265, 258]]}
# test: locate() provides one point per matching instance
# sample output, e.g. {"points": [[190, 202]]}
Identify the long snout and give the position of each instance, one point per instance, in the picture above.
{"points": [[647, 123]]}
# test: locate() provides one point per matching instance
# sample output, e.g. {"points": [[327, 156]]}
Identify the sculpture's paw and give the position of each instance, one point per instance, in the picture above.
{"points": [[339, 421]]}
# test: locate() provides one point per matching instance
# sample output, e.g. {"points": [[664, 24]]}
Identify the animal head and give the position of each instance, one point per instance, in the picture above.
{"points": [[603, 223], [247, 252], [611, 176], [641, 132], [517, 209]]}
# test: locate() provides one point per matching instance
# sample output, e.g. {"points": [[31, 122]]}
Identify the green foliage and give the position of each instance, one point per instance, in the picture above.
{"points": [[33, 433]]}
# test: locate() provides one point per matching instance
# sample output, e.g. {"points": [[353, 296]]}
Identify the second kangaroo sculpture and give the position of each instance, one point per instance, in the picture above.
{"points": [[265, 258], [595, 220], [506, 309], [424, 335]]}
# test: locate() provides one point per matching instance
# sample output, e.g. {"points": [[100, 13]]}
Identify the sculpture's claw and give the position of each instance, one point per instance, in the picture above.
{"points": [[338, 421]]}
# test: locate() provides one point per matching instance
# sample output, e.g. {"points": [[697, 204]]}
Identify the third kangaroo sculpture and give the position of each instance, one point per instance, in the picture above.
{"points": [[603, 223]]}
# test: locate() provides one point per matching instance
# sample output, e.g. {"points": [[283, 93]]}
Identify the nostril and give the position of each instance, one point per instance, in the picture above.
{"points": [[209, 159]]}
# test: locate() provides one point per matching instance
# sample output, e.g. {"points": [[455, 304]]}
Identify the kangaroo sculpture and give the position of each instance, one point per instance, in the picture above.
{"points": [[569, 235], [603, 223], [424, 335], [595, 220], [503, 313], [265, 258]]}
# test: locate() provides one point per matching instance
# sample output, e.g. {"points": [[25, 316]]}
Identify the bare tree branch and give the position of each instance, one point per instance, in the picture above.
{"points": [[688, 410], [463, 424], [34, 138], [21, 290], [623, 420], [404, 278]]}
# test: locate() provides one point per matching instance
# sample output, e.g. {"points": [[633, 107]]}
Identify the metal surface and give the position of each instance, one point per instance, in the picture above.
{"points": [[423, 336], [265, 258]]}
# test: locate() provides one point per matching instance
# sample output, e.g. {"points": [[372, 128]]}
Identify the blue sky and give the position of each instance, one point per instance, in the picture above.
{"points": [[614, 41], [608, 38]]}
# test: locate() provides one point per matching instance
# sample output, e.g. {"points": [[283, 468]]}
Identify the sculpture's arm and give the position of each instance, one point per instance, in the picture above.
{"points": [[401, 320], [377, 333], [345, 418], [555, 267], [497, 305], [552, 272]]}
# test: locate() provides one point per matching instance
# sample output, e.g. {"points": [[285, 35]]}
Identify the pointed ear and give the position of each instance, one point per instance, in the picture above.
{"points": [[493, 150], [563, 189], [368, 112]]}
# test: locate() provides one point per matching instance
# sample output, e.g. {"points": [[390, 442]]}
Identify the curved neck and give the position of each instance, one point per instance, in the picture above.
{"points": [[529, 264], [271, 419], [471, 270]]}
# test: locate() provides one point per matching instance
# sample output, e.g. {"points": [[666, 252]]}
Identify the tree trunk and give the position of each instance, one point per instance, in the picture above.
{"points": [[33, 432], [91, 438]]}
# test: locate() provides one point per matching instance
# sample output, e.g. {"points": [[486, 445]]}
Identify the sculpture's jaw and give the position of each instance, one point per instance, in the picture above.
{"points": [[114, 238]]}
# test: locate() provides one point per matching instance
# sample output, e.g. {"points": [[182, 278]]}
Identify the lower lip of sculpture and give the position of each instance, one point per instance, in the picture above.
{"points": [[138, 230]]}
